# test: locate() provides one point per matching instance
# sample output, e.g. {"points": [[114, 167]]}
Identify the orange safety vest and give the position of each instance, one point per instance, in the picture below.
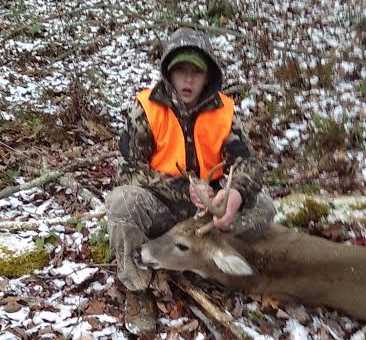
{"points": [[211, 129]]}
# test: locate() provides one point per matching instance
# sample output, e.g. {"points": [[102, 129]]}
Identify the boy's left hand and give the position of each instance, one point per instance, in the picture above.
{"points": [[233, 205]]}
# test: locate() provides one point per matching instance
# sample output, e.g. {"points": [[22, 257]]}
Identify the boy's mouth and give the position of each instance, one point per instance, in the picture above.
{"points": [[186, 91]]}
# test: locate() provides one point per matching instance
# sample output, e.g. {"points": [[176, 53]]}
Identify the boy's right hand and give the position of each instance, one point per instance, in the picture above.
{"points": [[204, 188]]}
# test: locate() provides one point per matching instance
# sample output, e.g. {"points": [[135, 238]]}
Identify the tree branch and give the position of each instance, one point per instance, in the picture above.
{"points": [[201, 298], [34, 225]]}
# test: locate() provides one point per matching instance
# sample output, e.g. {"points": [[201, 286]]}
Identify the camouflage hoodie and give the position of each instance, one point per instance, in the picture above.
{"points": [[137, 142]]}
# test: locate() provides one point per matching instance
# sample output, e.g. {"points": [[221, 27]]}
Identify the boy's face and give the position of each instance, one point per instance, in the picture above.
{"points": [[189, 81]]}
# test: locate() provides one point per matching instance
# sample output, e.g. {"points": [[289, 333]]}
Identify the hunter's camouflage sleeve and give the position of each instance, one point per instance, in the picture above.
{"points": [[137, 145], [247, 175]]}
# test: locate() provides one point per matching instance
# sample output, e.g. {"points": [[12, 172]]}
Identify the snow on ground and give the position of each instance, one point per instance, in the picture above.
{"points": [[111, 49]]}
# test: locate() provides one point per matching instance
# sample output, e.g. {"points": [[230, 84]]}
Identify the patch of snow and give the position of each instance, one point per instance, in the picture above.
{"points": [[199, 336], [15, 244], [297, 331], [111, 333], [173, 323], [8, 336], [360, 335], [19, 316], [251, 332]]}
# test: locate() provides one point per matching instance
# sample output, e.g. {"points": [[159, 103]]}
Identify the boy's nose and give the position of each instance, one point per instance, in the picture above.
{"points": [[189, 76]]}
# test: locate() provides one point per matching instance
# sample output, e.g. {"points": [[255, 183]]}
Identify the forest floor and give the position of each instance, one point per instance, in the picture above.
{"points": [[69, 72]]}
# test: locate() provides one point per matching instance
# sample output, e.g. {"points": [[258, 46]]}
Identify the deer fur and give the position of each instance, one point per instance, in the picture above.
{"points": [[283, 264]]}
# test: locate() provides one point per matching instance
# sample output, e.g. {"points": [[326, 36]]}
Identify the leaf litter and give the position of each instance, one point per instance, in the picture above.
{"points": [[69, 73]]}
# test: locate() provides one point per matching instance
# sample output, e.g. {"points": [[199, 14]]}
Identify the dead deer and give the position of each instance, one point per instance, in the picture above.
{"points": [[283, 264]]}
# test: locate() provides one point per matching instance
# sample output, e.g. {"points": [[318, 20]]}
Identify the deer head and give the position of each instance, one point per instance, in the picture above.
{"points": [[181, 249], [193, 245]]}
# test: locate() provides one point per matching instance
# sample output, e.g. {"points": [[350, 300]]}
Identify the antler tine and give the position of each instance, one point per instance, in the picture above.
{"points": [[216, 211], [212, 171], [182, 171]]}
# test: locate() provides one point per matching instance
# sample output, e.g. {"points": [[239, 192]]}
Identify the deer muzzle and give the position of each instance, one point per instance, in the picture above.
{"points": [[143, 259]]}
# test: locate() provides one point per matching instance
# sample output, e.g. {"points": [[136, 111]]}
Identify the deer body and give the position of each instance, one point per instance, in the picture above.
{"points": [[284, 264]]}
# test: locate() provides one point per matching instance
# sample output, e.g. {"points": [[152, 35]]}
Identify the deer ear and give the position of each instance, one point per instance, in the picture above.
{"points": [[232, 263]]}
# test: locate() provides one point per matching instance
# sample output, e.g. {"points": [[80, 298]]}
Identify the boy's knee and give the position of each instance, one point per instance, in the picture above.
{"points": [[122, 200]]}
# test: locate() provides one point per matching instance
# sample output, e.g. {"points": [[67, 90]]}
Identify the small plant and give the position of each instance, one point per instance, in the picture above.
{"points": [[291, 74], [99, 243], [312, 211], [361, 88], [278, 176], [325, 74], [328, 133], [308, 188], [358, 206], [8, 177]]}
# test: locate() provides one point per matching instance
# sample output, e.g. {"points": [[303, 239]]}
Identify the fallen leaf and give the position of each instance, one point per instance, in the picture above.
{"points": [[189, 326], [115, 294], [162, 307], [281, 314], [268, 301], [177, 310], [95, 307], [12, 307]]}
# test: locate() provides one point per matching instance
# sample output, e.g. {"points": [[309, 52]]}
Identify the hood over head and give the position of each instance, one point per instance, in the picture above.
{"points": [[191, 40]]}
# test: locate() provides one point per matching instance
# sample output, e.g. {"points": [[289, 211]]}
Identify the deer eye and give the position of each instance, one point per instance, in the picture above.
{"points": [[181, 246]]}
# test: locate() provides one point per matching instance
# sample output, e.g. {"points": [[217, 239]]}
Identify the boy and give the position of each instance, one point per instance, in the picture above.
{"points": [[184, 119]]}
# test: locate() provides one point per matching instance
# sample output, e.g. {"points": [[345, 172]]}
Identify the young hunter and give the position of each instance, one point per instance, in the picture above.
{"points": [[184, 119]]}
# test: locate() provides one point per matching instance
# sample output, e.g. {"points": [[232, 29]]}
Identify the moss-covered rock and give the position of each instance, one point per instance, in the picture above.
{"points": [[13, 266]]}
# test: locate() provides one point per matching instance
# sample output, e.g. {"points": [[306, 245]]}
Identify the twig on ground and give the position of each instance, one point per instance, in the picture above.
{"points": [[207, 322], [53, 175], [34, 225], [46, 178], [201, 298]]}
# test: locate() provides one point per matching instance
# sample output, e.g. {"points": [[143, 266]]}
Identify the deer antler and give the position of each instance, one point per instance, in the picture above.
{"points": [[218, 210]]}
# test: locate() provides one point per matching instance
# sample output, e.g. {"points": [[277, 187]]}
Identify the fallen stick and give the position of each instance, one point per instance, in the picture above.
{"points": [[53, 175], [207, 322], [201, 298], [34, 225], [46, 178]]}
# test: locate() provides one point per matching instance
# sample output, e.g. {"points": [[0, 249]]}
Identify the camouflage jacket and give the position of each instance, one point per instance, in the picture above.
{"points": [[137, 142]]}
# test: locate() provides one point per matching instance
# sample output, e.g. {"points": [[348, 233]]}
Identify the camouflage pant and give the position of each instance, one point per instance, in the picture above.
{"points": [[135, 215]]}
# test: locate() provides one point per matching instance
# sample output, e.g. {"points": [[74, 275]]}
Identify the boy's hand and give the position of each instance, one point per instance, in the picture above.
{"points": [[202, 187], [233, 205]]}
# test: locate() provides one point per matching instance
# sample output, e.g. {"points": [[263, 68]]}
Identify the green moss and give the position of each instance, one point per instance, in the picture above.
{"points": [[362, 221], [312, 211], [16, 266], [101, 253], [308, 188], [99, 245], [277, 176], [361, 87], [358, 206]]}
